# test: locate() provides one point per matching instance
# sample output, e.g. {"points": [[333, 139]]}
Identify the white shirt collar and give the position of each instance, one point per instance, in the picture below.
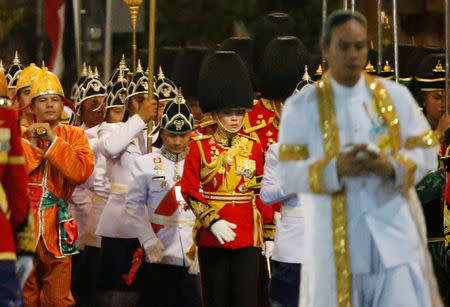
{"points": [[346, 90]]}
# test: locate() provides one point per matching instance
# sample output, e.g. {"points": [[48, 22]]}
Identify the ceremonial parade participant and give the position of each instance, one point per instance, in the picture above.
{"points": [[282, 66], [119, 240], [288, 250], [155, 196], [116, 99], [220, 183], [12, 75], [288, 253], [356, 145], [430, 78], [58, 159], [13, 197], [89, 198], [23, 89]]}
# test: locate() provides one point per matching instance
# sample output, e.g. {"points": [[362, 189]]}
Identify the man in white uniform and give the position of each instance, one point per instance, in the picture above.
{"points": [[90, 111], [160, 216], [119, 240], [355, 145]]}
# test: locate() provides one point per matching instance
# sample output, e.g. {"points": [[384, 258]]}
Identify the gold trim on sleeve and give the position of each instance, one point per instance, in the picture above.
{"points": [[428, 139], [410, 167], [204, 213], [315, 176], [292, 153]]}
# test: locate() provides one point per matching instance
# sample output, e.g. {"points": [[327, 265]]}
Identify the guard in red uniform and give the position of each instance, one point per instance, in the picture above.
{"points": [[220, 183], [13, 197]]}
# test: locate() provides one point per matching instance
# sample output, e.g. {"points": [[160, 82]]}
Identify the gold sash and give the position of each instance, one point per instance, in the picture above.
{"points": [[331, 145]]}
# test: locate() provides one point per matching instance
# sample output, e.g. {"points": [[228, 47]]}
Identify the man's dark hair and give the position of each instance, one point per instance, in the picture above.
{"points": [[338, 18]]}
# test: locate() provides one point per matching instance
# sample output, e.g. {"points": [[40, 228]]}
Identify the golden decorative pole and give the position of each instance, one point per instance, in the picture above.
{"points": [[133, 5], [151, 63]]}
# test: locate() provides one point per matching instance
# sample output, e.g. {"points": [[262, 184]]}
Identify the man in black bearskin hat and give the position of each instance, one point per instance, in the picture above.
{"points": [[220, 183], [154, 193]]}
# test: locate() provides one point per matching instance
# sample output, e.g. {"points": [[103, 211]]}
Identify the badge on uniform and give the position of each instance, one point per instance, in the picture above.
{"points": [[158, 168]]}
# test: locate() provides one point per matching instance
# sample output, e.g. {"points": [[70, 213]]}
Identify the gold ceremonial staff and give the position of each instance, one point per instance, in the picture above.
{"points": [[133, 5], [151, 63]]}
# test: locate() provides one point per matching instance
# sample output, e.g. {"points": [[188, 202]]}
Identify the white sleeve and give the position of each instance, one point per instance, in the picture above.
{"points": [[413, 124], [114, 140], [137, 196], [300, 127]]}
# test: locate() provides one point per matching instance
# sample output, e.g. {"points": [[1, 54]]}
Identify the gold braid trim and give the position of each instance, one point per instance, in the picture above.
{"points": [[340, 247], [269, 232], [331, 144], [315, 176], [428, 139], [203, 211], [411, 169], [292, 153], [387, 109]]}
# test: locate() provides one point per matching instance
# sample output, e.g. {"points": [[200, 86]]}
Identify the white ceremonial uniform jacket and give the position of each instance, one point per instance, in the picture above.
{"points": [[86, 196], [153, 176], [114, 141], [380, 224], [289, 234]]}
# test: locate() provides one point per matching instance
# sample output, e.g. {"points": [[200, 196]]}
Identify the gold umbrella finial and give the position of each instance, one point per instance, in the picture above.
{"points": [[133, 6], [160, 74]]}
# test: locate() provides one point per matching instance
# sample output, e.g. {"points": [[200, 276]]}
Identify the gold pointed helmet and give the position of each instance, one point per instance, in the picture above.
{"points": [[46, 84], [27, 76], [3, 85]]}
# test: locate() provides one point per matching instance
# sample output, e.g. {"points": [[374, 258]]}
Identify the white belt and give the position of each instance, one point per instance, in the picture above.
{"points": [[294, 211], [118, 188], [182, 221]]}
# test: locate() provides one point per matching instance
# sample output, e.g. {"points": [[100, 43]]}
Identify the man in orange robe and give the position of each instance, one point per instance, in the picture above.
{"points": [[58, 159]]}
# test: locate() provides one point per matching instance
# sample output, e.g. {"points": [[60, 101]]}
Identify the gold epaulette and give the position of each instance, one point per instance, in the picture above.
{"points": [[201, 137], [248, 137], [207, 123], [255, 128]]}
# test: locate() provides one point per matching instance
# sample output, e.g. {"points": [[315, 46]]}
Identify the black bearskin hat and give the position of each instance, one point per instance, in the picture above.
{"points": [[243, 46], [283, 64], [187, 68], [272, 25], [165, 58], [224, 83]]}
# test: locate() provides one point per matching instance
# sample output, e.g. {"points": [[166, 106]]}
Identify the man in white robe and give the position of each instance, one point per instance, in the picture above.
{"points": [[354, 146]]}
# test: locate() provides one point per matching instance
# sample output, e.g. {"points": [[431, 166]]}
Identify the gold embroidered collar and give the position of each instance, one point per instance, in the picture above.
{"points": [[222, 138], [171, 156]]}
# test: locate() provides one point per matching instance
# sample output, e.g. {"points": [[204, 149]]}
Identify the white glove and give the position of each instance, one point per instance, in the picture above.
{"points": [[223, 231], [267, 248], [24, 266], [154, 250]]}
